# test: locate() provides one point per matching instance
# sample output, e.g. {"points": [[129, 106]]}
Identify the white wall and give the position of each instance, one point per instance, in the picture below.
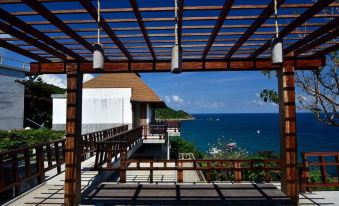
{"points": [[107, 105], [149, 113], [100, 106], [11, 99]]}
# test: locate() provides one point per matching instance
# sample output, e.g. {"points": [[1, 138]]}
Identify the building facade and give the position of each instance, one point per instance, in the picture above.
{"points": [[12, 96], [110, 100]]}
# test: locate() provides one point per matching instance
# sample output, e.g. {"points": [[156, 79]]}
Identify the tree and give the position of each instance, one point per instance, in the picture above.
{"points": [[318, 91], [38, 101]]}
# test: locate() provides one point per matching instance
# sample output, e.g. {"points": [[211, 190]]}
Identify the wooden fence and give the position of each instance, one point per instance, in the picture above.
{"points": [[159, 130], [116, 146], [208, 166], [321, 161], [31, 163]]}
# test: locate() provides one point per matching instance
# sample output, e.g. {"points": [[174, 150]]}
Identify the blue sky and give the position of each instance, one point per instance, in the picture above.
{"points": [[198, 92], [207, 92], [211, 92]]}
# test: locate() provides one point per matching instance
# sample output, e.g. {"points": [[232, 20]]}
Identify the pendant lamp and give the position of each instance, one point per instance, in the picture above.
{"points": [[176, 61], [276, 42], [98, 50]]}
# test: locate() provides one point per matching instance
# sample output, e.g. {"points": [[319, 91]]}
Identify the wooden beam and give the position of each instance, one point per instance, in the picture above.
{"points": [[137, 14], [288, 139], [21, 51], [221, 19], [314, 35], [180, 16], [321, 40], [24, 37], [6, 16], [73, 135], [156, 9], [148, 28], [193, 65], [44, 12], [104, 25], [326, 51], [309, 13], [266, 13], [171, 19]]}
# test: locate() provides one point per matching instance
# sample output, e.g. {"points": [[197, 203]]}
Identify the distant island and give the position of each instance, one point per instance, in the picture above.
{"points": [[169, 113]]}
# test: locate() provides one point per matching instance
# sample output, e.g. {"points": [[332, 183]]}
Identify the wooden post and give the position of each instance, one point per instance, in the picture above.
{"points": [[237, 172], [73, 135], [288, 139]]}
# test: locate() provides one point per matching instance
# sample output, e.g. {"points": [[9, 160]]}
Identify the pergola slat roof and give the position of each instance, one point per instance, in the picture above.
{"points": [[219, 30]]}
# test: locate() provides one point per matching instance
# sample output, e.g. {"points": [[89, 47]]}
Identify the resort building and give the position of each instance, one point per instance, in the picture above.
{"points": [[111, 100], [11, 95], [119, 165]]}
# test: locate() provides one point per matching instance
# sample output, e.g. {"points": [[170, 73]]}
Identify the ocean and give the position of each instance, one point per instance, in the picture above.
{"points": [[258, 132]]}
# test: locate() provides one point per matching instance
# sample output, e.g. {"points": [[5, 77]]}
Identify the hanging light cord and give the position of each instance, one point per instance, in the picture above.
{"points": [[276, 19], [98, 21], [176, 22]]}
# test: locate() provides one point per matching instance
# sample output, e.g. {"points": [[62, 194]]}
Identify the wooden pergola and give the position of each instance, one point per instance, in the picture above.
{"points": [[218, 36]]}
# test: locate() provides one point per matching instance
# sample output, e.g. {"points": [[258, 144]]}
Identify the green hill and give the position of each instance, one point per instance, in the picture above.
{"points": [[169, 113]]}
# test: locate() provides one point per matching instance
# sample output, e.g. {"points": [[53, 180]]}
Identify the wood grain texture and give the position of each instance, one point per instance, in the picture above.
{"points": [[288, 139]]}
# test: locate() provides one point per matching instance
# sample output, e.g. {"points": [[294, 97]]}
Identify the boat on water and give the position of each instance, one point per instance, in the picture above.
{"points": [[214, 151], [231, 146]]}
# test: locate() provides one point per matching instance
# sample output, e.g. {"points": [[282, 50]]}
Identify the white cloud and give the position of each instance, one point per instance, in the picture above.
{"points": [[55, 79], [177, 101], [60, 79], [174, 98], [88, 77]]}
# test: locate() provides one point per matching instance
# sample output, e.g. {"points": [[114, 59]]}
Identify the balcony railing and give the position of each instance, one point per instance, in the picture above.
{"points": [[111, 148], [321, 161], [31, 163], [207, 166], [155, 130]]}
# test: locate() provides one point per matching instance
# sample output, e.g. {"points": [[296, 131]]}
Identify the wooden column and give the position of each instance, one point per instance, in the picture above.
{"points": [[288, 139], [73, 135]]}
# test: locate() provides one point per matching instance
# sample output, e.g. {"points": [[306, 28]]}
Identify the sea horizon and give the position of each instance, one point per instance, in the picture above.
{"points": [[205, 129]]}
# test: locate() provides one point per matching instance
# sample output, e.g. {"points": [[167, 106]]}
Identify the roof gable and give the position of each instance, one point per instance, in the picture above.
{"points": [[140, 91]]}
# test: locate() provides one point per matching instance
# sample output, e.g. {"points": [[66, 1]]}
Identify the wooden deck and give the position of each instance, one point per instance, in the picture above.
{"points": [[187, 194]]}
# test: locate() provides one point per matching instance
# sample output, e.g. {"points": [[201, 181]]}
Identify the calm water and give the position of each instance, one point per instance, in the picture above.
{"points": [[242, 128]]}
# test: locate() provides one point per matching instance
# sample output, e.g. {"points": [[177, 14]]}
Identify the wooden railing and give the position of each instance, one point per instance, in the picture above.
{"points": [[174, 125], [171, 124], [28, 163], [116, 146], [159, 130], [207, 166], [31, 163], [89, 140], [190, 156], [320, 161]]}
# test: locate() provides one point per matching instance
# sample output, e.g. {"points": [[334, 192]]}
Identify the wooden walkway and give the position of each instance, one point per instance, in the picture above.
{"points": [[187, 194]]}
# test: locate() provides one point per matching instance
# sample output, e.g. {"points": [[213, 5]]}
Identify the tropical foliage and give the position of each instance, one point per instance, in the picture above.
{"points": [[180, 145], [38, 102], [22, 138], [169, 113]]}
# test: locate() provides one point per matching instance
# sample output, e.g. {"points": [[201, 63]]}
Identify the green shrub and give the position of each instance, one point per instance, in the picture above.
{"points": [[180, 145], [22, 138], [315, 176]]}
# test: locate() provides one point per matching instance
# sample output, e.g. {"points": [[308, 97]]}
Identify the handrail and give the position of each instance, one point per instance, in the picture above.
{"points": [[155, 130], [308, 164], [191, 156], [237, 166], [20, 162], [113, 147]]}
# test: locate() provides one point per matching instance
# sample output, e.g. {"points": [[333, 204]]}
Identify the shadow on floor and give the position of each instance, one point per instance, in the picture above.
{"points": [[181, 194]]}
